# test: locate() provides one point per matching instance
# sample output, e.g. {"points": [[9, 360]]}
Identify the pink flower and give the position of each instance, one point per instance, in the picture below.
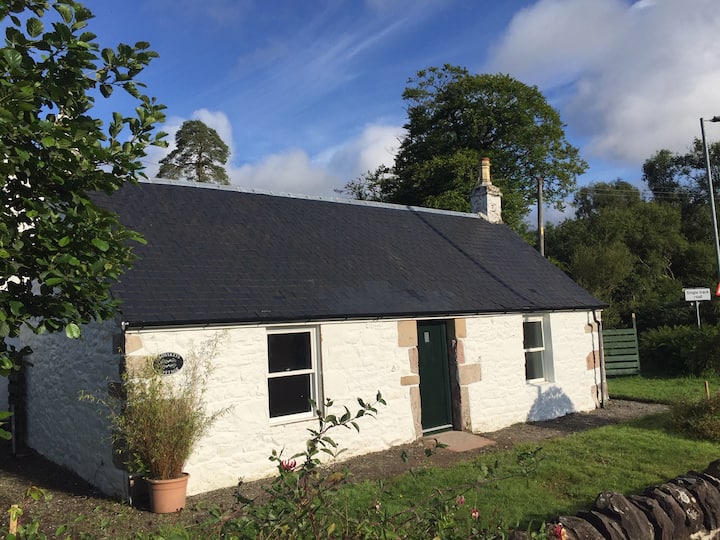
{"points": [[288, 464], [474, 513], [461, 500], [557, 532]]}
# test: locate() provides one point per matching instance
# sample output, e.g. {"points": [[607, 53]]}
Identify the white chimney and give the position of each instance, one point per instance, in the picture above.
{"points": [[485, 198]]}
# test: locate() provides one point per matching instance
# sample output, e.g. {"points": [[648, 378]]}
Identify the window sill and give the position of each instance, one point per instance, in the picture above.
{"points": [[537, 382], [291, 419]]}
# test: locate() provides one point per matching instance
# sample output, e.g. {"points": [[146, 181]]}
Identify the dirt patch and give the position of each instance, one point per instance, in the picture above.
{"points": [[105, 518]]}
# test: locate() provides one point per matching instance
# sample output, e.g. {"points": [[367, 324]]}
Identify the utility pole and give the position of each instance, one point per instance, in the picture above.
{"points": [[712, 195], [541, 224]]}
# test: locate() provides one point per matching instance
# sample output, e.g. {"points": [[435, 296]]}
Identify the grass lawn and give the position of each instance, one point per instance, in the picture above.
{"points": [[660, 390], [526, 486], [570, 473]]}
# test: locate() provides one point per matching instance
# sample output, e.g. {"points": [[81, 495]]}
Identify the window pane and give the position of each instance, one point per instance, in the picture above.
{"points": [[288, 352], [534, 365], [289, 395], [532, 335]]}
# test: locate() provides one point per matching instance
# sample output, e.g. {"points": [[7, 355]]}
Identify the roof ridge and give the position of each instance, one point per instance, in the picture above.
{"points": [[257, 191]]}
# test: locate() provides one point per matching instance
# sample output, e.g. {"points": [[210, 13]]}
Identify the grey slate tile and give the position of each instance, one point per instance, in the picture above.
{"points": [[224, 255]]}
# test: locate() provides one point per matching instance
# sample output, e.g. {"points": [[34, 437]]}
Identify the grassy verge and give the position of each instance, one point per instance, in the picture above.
{"points": [[570, 474], [660, 390]]}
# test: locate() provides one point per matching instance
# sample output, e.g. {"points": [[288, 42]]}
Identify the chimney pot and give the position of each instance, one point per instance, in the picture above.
{"points": [[485, 171]]}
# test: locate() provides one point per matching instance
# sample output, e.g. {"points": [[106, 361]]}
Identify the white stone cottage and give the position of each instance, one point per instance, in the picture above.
{"points": [[456, 320]]}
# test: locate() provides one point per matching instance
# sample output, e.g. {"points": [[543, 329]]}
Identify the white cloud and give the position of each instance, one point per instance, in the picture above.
{"points": [[293, 170], [296, 172], [288, 172], [376, 145], [637, 77]]}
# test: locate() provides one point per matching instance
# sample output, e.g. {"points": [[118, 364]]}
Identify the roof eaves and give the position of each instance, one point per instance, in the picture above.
{"points": [[268, 319]]}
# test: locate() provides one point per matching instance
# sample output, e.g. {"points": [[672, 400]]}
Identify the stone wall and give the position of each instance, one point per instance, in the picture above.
{"points": [[686, 507], [503, 397], [70, 432], [356, 359]]}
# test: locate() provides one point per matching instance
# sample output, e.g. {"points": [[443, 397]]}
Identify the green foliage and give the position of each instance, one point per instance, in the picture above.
{"points": [[299, 498], [698, 417], [633, 254], [455, 118], [680, 350], [30, 530], [157, 419], [638, 255], [306, 500], [681, 179], [59, 252], [446, 503], [371, 185], [199, 155]]}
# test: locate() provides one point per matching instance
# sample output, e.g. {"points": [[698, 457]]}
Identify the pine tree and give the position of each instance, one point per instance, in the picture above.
{"points": [[199, 156]]}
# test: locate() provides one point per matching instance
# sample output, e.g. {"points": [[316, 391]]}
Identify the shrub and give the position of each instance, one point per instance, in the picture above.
{"points": [[157, 418], [698, 417], [303, 501], [680, 350]]}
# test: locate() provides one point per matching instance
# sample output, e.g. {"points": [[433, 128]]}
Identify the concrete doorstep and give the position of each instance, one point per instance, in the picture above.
{"points": [[459, 441]]}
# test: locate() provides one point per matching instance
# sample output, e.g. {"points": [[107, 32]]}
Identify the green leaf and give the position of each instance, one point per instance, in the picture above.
{"points": [[72, 331], [4, 329], [101, 244], [106, 90], [64, 241], [34, 27], [65, 12], [12, 58], [16, 307], [54, 281]]}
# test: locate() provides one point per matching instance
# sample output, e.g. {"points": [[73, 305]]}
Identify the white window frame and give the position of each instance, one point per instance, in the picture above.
{"points": [[313, 372], [545, 350]]}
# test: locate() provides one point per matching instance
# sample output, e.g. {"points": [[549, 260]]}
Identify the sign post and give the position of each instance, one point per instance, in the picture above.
{"points": [[697, 295]]}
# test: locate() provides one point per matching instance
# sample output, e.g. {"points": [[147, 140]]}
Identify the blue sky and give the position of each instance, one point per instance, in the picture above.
{"points": [[307, 93]]}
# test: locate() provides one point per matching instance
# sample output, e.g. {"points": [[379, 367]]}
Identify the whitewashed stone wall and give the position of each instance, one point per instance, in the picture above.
{"points": [[70, 432], [358, 359], [503, 397]]}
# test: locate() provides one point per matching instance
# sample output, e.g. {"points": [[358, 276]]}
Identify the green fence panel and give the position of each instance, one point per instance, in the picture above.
{"points": [[621, 352]]}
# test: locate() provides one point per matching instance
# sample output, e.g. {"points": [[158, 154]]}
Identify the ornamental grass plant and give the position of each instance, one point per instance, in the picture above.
{"points": [[158, 418]]}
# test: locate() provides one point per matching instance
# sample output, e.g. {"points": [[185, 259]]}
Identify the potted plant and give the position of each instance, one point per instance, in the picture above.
{"points": [[157, 417]]}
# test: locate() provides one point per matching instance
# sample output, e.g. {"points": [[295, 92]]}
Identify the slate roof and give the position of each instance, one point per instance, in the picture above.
{"points": [[222, 255]]}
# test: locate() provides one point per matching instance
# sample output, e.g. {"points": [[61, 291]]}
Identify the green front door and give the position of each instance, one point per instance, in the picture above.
{"points": [[435, 401]]}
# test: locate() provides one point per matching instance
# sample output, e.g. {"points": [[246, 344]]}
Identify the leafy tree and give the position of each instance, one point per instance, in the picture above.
{"points": [[59, 252], [455, 118], [593, 199], [681, 178], [199, 155], [632, 253], [370, 186]]}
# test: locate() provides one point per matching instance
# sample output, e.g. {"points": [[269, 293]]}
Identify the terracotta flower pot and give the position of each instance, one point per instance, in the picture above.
{"points": [[167, 496]]}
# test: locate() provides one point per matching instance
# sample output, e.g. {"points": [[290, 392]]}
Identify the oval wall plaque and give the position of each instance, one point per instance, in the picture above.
{"points": [[168, 363]]}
